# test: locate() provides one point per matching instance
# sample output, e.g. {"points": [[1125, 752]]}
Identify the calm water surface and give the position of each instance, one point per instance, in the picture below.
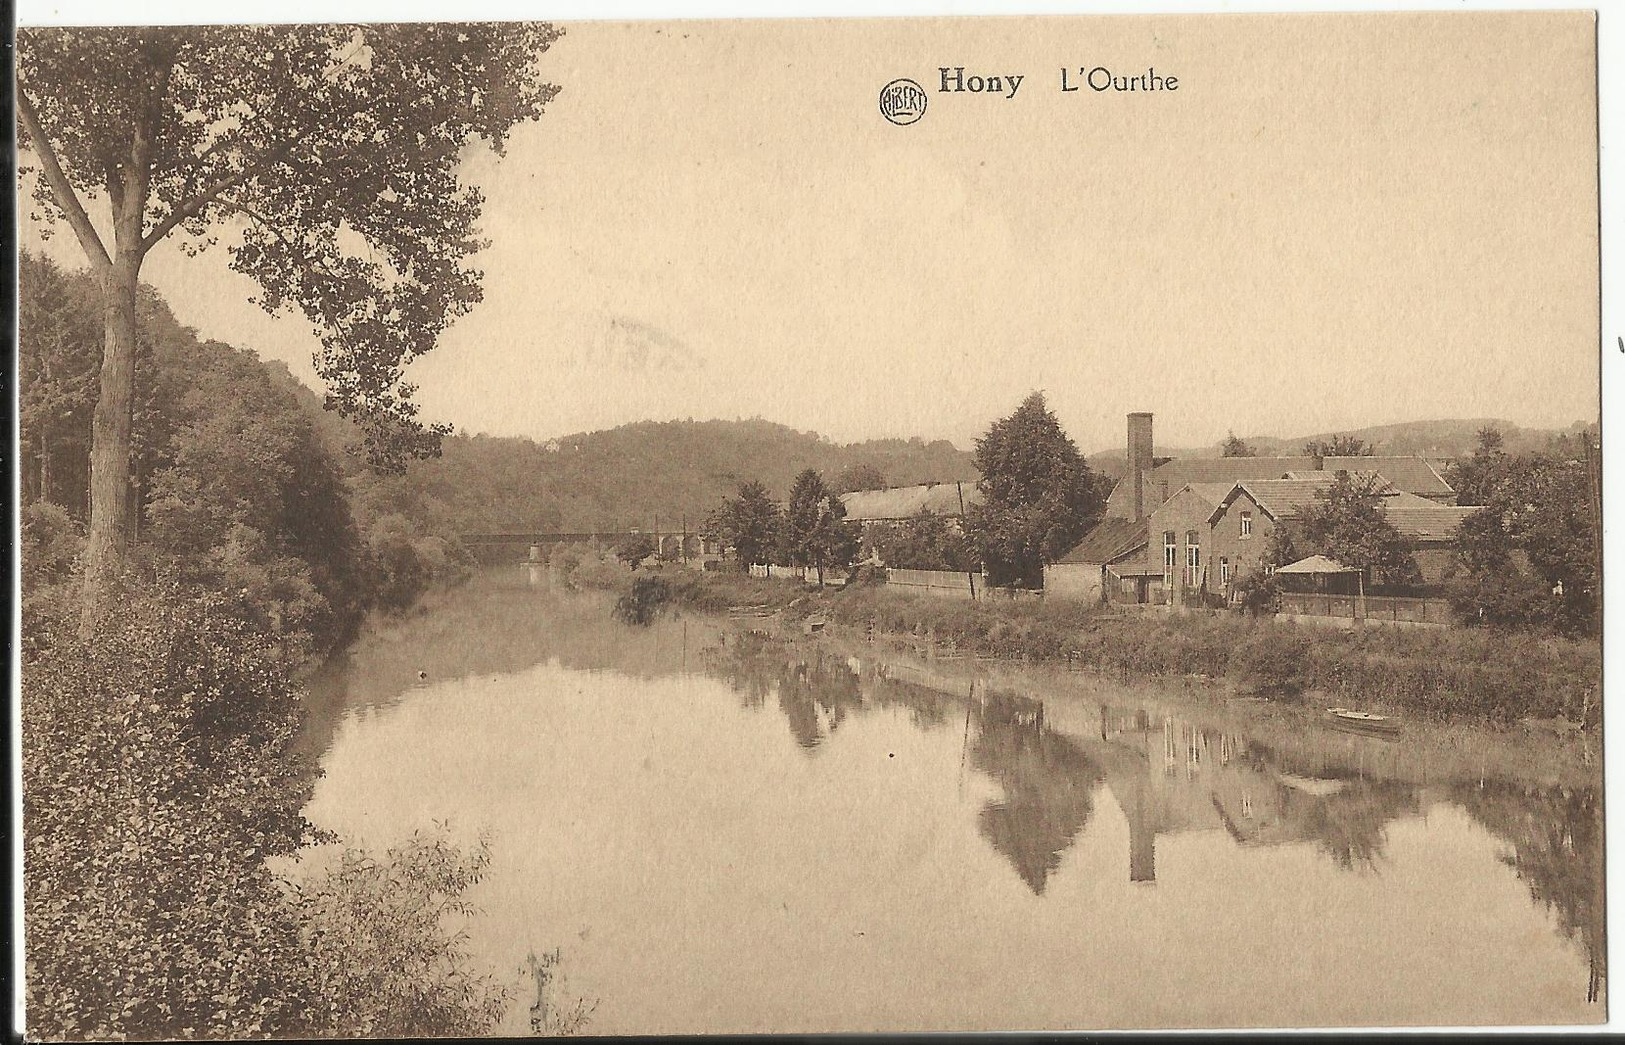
{"points": [[732, 832]]}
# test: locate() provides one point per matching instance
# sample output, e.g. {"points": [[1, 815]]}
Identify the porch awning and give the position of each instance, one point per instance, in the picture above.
{"points": [[1127, 570], [1316, 564]]}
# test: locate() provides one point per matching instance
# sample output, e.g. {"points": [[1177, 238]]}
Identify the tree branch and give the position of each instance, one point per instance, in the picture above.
{"points": [[204, 197], [61, 187]]}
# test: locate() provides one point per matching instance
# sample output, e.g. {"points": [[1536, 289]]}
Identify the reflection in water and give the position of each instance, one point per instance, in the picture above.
{"points": [[1556, 840], [728, 810], [1047, 782], [1169, 776]]}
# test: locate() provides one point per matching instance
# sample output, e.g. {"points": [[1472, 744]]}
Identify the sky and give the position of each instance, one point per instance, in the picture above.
{"points": [[1333, 222]]}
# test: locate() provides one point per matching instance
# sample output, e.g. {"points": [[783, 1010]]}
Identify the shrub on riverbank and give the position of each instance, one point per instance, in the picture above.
{"points": [[1431, 672], [159, 775]]}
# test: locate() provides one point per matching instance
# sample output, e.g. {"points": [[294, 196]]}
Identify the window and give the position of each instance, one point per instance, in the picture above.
{"points": [[1224, 569], [1246, 525], [1169, 557], [1193, 557]]}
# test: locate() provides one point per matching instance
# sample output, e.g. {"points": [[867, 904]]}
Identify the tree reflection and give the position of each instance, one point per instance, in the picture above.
{"points": [[1555, 837], [1345, 815], [1048, 786]]}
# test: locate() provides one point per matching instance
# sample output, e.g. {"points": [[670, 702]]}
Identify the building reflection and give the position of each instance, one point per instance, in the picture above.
{"points": [[1166, 774]]}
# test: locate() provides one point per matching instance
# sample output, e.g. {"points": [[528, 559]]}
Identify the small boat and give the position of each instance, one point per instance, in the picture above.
{"points": [[1316, 786], [1364, 721]]}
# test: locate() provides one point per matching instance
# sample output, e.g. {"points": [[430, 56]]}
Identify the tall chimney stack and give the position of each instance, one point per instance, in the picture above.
{"points": [[1139, 458]]}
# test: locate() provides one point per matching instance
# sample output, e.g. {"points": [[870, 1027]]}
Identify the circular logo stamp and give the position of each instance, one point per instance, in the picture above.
{"points": [[902, 101]]}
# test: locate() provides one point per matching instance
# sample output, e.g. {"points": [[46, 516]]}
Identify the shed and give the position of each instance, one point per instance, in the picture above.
{"points": [[1081, 572], [1319, 573]]}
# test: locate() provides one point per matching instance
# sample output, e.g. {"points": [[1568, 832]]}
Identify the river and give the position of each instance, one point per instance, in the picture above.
{"points": [[726, 831]]}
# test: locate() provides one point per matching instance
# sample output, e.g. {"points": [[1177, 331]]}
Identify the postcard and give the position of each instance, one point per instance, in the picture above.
{"points": [[716, 526]]}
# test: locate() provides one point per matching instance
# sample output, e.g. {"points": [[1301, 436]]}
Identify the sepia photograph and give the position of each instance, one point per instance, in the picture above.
{"points": [[696, 526]]}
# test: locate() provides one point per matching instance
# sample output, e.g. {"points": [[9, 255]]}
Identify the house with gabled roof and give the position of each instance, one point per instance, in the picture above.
{"points": [[876, 511], [1151, 480], [1243, 521]]}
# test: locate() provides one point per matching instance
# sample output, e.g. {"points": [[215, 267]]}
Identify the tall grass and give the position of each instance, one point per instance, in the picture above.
{"points": [[1436, 673]]}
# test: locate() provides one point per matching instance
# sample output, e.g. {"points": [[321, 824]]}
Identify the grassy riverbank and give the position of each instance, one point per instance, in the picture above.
{"points": [[1436, 674]]}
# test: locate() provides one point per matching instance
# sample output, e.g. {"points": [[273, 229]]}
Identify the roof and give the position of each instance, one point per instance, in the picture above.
{"points": [[1434, 522], [1168, 478], [1316, 564], [906, 502], [1379, 483], [1212, 493], [1111, 540], [1131, 569], [1416, 518], [1277, 498], [1411, 474]]}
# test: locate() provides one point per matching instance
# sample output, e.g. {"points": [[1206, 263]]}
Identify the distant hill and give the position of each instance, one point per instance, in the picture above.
{"points": [[1438, 440], [636, 475]]}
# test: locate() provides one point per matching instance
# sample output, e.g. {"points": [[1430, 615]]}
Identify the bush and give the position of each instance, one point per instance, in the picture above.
{"points": [[1275, 660], [160, 772], [641, 604], [400, 575], [1258, 593], [373, 932]]}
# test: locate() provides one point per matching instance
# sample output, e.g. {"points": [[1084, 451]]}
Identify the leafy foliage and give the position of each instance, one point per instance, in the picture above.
{"points": [[815, 531], [926, 542], [1338, 446], [332, 151], [1347, 524], [614, 480], [1531, 550], [161, 771], [1258, 593], [158, 774], [1041, 497], [634, 548], [642, 603], [373, 934], [862, 476], [58, 350], [1235, 446], [749, 523]]}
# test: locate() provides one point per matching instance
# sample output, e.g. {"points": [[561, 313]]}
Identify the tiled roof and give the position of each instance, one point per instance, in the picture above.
{"points": [[1379, 482], [1435, 522], [1278, 498], [1110, 541], [906, 502], [1411, 474], [1212, 493], [1416, 518]]}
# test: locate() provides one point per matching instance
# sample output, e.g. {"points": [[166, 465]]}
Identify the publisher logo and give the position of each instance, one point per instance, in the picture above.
{"points": [[902, 102]]}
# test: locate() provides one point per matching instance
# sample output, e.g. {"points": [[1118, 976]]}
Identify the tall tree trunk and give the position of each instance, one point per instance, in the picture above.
{"points": [[44, 466], [108, 537]]}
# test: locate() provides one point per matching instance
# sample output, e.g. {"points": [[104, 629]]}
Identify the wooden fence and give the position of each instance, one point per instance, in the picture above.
{"points": [[936, 582], [1395, 609]]}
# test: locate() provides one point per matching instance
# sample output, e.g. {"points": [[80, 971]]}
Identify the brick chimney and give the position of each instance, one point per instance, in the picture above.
{"points": [[1139, 458]]}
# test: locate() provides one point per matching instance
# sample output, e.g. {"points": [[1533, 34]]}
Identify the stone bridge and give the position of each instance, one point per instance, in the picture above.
{"points": [[514, 546]]}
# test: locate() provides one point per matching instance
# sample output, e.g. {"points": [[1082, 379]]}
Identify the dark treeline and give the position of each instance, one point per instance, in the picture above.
{"points": [[633, 476], [239, 480], [161, 761]]}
